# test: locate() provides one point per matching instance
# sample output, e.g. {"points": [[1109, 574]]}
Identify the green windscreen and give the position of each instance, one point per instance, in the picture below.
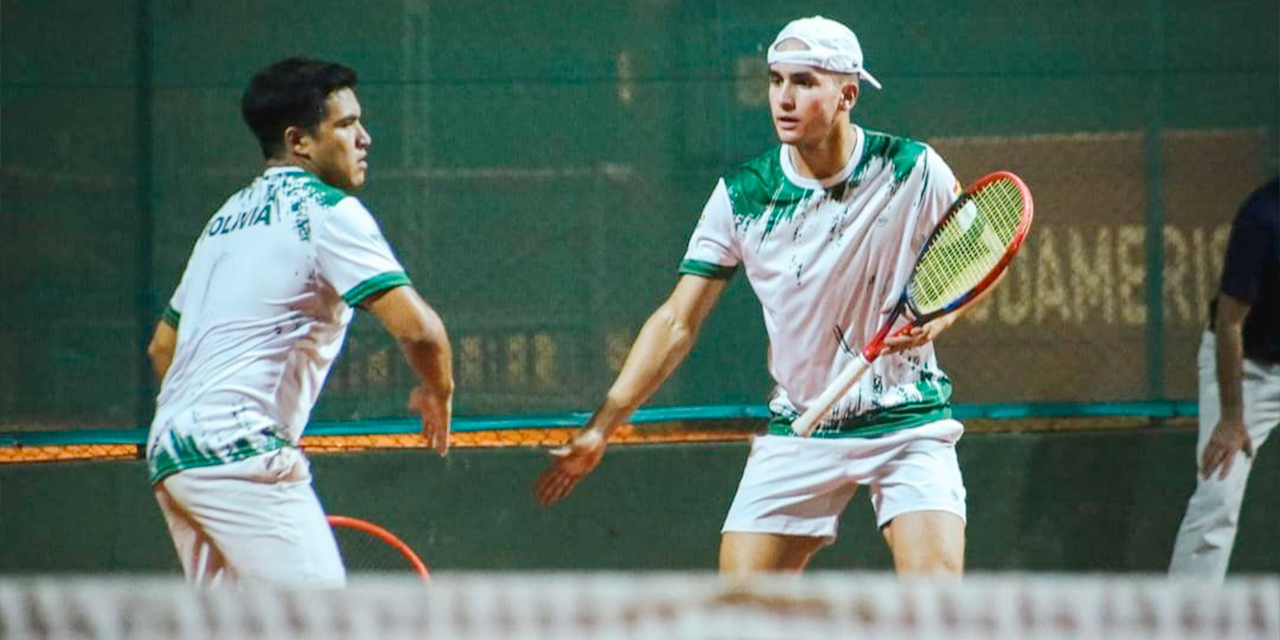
{"points": [[539, 167]]}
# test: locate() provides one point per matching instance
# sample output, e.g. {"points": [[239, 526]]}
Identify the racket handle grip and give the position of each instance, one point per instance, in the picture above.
{"points": [[808, 421]]}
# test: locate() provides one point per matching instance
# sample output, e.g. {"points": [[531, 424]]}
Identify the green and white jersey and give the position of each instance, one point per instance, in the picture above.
{"points": [[828, 259], [261, 312]]}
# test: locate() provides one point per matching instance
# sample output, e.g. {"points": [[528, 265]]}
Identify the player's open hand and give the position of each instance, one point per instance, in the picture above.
{"points": [[569, 465], [436, 411], [1229, 437]]}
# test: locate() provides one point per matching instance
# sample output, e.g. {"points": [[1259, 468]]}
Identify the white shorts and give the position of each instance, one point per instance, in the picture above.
{"points": [[799, 486], [256, 519]]}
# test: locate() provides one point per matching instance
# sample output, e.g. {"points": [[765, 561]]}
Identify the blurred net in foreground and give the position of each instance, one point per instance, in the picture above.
{"points": [[659, 606]]}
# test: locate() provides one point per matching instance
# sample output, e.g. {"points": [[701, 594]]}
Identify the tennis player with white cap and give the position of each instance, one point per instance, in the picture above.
{"points": [[826, 227]]}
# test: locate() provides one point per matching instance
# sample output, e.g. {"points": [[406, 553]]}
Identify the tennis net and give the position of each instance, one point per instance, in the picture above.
{"points": [[658, 606]]}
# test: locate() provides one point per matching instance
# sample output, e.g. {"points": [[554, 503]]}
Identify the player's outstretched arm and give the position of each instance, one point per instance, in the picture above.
{"points": [[663, 343], [422, 337]]}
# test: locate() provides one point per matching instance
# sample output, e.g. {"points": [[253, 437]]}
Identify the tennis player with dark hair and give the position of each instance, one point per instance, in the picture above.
{"points": [[1239, 371], [827, 227], [254, 326]]}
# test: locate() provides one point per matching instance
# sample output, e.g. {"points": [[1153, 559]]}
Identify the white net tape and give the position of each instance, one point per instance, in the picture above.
{"points": [[648, 606]]}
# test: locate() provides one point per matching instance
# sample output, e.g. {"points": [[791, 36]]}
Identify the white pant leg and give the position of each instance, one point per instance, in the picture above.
{"points": [[260, 519], [202, 563], [1208, 530]]}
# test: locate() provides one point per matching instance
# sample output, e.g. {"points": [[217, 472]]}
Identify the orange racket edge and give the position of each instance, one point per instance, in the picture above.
{"points": [[386, 536]]}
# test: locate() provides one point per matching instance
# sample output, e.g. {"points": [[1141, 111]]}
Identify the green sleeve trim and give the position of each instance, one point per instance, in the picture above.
{"points": [[171, 316], [707, 269], [376, 284]]}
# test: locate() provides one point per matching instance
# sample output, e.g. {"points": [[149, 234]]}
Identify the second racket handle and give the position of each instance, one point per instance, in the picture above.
{"points": [[808, 421]]}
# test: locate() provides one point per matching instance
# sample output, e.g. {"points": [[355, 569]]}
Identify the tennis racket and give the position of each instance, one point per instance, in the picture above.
{"points": [[367, 547], [964, 256]]}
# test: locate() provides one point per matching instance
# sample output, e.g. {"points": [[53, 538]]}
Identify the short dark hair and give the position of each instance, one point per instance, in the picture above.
{"points": [[291, 92]]}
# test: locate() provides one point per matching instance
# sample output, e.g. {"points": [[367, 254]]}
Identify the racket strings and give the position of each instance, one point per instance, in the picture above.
{"points": [[967, 247]]}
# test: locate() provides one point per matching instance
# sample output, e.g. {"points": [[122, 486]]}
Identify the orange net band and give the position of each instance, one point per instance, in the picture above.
{"points": [[346, 444]]}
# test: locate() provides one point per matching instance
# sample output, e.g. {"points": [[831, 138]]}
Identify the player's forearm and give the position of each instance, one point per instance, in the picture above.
{"points": [[663, 343], [421, 335], [429, 354], [1229, 347]]}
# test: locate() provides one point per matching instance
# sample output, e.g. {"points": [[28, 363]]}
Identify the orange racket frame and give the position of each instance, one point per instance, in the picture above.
{"points": [[385, 536]]}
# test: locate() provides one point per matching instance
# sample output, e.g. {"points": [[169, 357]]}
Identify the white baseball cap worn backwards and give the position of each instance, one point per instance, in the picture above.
{"points": [[831, 47]]}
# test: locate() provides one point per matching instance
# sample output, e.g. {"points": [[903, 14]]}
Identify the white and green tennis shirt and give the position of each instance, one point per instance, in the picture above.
{"points": [[828, 259], [261, 312]]}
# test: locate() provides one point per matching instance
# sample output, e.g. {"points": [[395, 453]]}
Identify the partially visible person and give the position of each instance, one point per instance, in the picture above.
{"points": [[1239, 372], [255, 324]]}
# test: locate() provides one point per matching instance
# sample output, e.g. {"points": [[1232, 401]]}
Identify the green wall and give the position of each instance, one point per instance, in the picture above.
{"points": [[1095, 501], [539, 167]]}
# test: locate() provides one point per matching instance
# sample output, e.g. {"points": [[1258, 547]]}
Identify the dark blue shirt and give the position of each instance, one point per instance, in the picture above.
{"points": [[1251, 271]]}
